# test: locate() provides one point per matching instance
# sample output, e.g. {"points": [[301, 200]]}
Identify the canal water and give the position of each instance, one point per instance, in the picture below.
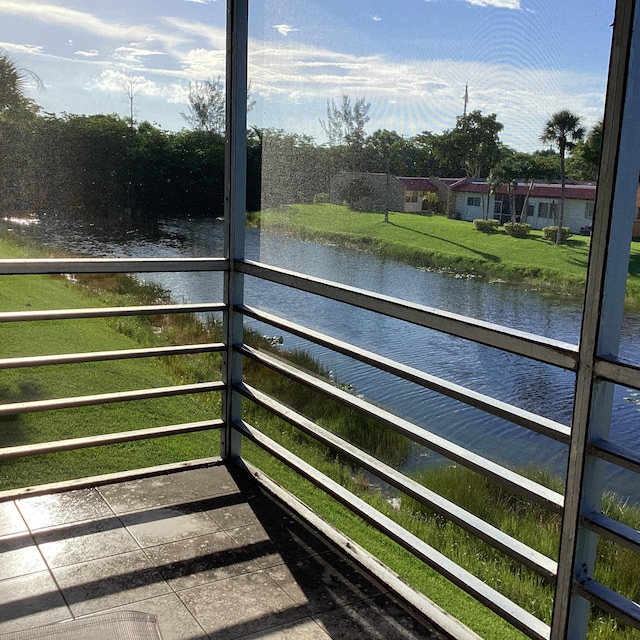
{"points": [[519, 381]]}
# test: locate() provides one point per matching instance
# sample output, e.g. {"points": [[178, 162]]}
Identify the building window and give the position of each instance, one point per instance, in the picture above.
{"points": [[473, 201], [546, 210], [530, 211], [588, 209], [411, 198]]}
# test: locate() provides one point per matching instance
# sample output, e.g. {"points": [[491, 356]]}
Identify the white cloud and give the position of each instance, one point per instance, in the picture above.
{"points": [[114, 80], [73, 19], [376, 18], [284, 29], [133, 54], [413, 102], [11, 47], [87, 54], [200, 64], [498, 4]]}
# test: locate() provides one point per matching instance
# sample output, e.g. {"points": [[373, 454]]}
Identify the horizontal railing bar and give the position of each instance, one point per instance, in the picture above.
{"points": [[515, 615], [521, 417], [554, 352], [16, 408], [506, 544], [616, 454], [608, 600], [102, 356], [31, 266], [109, 312], [107, 478], [619, 372], [613, 530], [73, 444], [537, 492]]}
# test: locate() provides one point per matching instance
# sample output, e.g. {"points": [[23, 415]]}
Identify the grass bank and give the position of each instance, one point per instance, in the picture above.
{"points": [[436, 242]]}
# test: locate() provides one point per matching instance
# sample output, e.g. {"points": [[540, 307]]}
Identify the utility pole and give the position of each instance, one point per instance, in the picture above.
{"points": [[466, 99]]}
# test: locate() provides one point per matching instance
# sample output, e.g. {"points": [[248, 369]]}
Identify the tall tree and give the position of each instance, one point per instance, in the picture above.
{"points": [[512, 169], [132, 86], [402, 154], [584, 162], [14, 104], [563, 129], [207, 103], [473, 144], [345, 122], [344, 127]]}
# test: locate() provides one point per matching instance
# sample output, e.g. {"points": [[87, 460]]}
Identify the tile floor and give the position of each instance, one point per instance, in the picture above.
{"points": [[206, 550]]}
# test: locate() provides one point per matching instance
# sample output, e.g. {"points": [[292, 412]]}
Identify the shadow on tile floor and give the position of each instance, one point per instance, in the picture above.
{"points": [[206, 550]]}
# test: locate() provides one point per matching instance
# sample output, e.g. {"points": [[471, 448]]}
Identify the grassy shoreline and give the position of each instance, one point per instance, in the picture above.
{"points": [[442, 244]]}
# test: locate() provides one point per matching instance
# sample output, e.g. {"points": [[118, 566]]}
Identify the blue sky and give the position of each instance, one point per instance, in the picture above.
{"points": [[411, 59]]}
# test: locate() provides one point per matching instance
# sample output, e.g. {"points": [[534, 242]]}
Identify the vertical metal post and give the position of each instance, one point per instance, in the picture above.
{"points": [[602, 318], [235, 210]]}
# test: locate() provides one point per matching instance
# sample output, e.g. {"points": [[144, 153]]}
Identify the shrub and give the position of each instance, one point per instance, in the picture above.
{"points": [[551, 233], [321, 198], [517, 229], [431, 204], [485, 226], [253, 218]]}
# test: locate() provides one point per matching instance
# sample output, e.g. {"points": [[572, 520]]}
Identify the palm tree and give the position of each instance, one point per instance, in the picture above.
{"points": [[563, 129], [13, 84]]}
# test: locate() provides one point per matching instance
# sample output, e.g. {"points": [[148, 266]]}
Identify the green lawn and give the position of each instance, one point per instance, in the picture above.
{"points": [[441, 243], [24, 293]]}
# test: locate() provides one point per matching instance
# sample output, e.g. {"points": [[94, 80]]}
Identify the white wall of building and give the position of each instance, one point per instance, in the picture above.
{"points": [[577, 213]]}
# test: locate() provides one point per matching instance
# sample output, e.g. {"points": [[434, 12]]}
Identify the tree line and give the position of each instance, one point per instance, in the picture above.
{"points": [[105, 165]]}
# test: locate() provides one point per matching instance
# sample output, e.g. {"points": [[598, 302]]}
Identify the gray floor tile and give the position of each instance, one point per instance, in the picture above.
{"points": [[30, 601], [84, 541], [287, 540], [215, 480], [323, 582], [167, 524], [61, 508], [19, 556], [304, 629], [240, 606], [10, 519], [230, 515], [145, 493], [109, 582], [174, 619], [378, 619], [197, 561]]}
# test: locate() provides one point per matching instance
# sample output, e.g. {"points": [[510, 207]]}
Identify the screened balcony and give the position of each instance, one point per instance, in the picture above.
{"points": [[182, 520]]}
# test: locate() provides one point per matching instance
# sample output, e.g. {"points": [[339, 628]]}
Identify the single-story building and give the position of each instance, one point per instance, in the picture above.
{"points": [[469, 198], [473, 200]]}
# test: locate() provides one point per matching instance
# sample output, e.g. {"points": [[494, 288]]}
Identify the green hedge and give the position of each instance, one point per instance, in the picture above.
{"points": [[551, 233], [485, 226], [517, 229]]}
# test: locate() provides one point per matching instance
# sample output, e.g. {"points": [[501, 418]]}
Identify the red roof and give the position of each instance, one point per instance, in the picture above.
{"points": [[552, 190], [540, 189], [418, 184]]}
